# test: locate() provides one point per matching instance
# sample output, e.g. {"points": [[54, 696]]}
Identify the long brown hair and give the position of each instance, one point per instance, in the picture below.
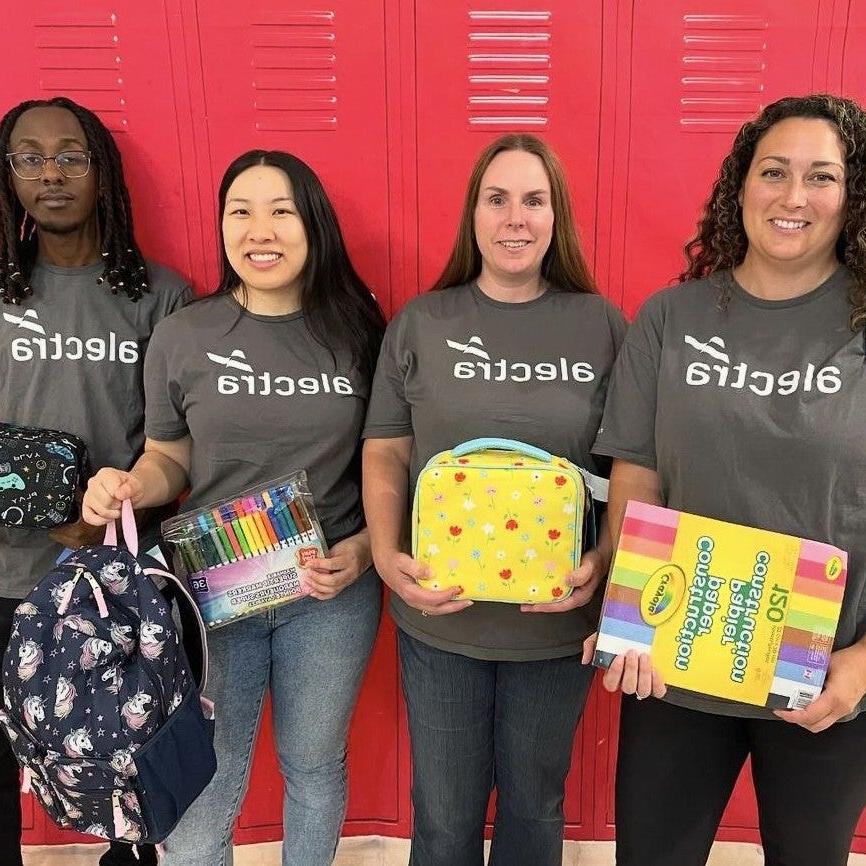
{"points": [[563, 265], [721, 243]]}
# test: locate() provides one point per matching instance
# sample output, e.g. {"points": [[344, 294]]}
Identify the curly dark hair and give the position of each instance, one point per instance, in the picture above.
{"points": [[124, 268], [721, 242]]}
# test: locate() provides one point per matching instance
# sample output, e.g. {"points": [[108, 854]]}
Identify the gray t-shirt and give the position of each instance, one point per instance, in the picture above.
{"points": [[260, 397], [752, 415], [457, 365], [71, 358]]}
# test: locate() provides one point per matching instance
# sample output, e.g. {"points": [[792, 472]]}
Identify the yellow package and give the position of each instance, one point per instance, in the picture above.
{"points": [[502, 519], [723, 609]]}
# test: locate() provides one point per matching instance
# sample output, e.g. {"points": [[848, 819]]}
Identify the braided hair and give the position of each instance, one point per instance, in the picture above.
{"points": [[721, 242], [124, 270]]}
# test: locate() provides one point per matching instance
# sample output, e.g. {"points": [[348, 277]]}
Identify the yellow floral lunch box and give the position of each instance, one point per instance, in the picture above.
{"points": [[505, 520]]}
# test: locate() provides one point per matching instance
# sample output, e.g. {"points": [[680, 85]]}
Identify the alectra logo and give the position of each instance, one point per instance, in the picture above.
{"points": [[480, 365], [265, 384], [662, 594], [723, 374], [35, 343]]}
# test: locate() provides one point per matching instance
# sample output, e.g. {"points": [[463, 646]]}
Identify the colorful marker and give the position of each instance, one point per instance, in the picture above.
{"points": [[245, 527], [279, 527], [241, 536], [266, 521], [286, 515], [252, 534], [233, 540], [262, 530], [222, 555]]}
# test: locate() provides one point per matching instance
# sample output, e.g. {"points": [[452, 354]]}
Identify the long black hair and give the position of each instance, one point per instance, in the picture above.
{"points": [[123, 264], [338, 307]]}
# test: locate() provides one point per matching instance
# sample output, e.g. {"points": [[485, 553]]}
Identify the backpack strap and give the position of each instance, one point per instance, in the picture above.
{"points": [[130, 531], [194, 633]]}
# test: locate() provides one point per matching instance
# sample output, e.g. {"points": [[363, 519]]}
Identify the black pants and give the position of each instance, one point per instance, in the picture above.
{"points": [[676, 770], [10, 799]]}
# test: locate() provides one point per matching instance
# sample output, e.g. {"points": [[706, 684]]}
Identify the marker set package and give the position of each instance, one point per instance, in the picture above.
{"points": [[245, 554]]}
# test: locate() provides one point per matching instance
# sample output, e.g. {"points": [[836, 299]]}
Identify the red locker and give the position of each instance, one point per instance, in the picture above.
{"points": [[685, 78], [485, 68], [279, 75], [391, 101]]}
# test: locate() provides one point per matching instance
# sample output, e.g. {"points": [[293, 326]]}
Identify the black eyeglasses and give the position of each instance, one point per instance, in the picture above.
{"points": [[31, 166]]}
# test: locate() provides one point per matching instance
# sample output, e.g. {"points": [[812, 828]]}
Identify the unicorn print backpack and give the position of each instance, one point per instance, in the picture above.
{"points": [[99, 701]]}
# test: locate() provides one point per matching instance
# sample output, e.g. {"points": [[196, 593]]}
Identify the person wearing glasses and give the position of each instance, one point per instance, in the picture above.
{"points": [[74, 284]]}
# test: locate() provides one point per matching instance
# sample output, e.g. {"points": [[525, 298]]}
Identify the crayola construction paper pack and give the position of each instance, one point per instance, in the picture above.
{"points": [[731, 611]]}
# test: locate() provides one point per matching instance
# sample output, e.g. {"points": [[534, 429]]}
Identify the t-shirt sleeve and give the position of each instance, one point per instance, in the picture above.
{"points": [[182, 295], [389, 414], [618, 325], [171, 290], [164, 416], [627, 429]]}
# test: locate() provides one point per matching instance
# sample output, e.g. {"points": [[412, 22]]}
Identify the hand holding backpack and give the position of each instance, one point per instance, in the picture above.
{"points": [[100, 703]]}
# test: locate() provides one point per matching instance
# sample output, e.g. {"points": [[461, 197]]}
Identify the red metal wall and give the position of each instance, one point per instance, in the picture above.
{"points": [[391, 100]]}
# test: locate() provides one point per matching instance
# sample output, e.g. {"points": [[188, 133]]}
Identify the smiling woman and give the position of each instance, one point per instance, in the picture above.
{"points": [[265, 241], [493, 690], [513, 225], [271, 371], [738, 395], [793, 205]]}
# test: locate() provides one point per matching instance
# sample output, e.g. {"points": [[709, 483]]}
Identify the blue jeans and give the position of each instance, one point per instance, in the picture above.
{"points": [[311, 655], [477, 724]]}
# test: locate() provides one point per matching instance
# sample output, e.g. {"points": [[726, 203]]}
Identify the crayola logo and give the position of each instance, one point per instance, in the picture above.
{"points": [[662, 595], [833, 568]]}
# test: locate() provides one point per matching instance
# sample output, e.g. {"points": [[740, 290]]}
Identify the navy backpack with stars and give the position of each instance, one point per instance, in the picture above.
{"points": [[99, 701]]}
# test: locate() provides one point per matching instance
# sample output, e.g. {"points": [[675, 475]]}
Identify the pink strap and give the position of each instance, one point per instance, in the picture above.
{"points": [[66, 595], [117, 814], [130, 532], [97, 594], [27, 781], [69, 588]]}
